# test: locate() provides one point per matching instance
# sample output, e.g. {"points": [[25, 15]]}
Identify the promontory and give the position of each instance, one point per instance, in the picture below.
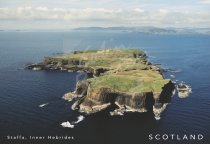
{"points": [[125, 78]]}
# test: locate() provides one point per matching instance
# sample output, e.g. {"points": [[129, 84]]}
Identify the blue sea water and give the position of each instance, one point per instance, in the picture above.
{"points": [[22, 91]]}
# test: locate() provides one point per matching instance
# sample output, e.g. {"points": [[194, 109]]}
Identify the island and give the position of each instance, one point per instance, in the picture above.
{"points": [[121, 77]]}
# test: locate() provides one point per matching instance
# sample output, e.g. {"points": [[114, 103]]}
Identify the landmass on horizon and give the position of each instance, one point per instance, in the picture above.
{"points": [[153, 29], [139, 29]]}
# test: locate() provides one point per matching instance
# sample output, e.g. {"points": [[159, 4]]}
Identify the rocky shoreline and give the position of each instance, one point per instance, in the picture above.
{"points": [[124, 78], [78, 65]]}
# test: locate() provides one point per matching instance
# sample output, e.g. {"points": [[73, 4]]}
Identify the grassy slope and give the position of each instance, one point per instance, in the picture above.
{"points": [[134, 79], [112, 59]]}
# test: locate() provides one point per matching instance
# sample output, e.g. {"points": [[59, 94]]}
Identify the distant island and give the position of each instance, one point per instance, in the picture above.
{"points": [[124, 78], [151, 30]]}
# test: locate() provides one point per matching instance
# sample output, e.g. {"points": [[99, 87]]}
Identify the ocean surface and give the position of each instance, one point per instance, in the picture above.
{"points": [[22, 91]]}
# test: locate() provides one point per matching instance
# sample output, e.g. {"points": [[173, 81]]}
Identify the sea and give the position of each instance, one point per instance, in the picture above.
{"points": [[31, 104]]}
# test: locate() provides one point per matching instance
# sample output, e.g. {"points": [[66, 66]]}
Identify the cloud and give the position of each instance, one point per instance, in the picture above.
{"points": [[71, 17], [42, 8], [139, 10], [28, 12], [205, 1], [163, 11]]}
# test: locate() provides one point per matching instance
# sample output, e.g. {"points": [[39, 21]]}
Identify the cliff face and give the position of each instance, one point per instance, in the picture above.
{"points": [[93, 100], [122, 77], [134, 101]]}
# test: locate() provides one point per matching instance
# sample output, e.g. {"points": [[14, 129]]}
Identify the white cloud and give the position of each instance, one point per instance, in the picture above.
{"points": [[163, 11], [42, 8], [205, 1], [71, 17], [28, 12], [59, 9], [139, 10]]}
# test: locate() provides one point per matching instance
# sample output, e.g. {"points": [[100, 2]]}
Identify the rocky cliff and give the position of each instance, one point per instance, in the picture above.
{"points": [[91, 100]]}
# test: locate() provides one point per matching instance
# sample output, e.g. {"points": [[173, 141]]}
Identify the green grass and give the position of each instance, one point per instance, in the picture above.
{"points": [[126, 82], [131, 51], [150, 86], [108, 53], [109, 58], [129, 76], [88, 51], [104, 62]]}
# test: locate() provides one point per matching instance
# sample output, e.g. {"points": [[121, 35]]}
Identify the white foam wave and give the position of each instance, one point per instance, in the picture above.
{"points": [[80, 118], [42, 105], [67, 124], [176, 71]]}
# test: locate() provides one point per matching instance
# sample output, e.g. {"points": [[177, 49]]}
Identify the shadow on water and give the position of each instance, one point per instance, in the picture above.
{"points": [[105, 129]]}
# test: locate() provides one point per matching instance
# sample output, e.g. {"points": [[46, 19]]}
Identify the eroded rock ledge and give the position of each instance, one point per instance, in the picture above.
{"points": [[121, 77]]}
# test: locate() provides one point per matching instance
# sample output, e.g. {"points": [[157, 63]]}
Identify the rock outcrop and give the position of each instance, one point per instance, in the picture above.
{"points": [[91, 100]]}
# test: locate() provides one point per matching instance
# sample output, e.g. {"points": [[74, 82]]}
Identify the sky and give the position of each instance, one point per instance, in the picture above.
{"points": [[68, 14]]}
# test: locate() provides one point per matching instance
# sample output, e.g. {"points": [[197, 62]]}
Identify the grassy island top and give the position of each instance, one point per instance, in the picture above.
{"points": [[109, 58], [106, 53], [134, 81], [127, 70]]}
